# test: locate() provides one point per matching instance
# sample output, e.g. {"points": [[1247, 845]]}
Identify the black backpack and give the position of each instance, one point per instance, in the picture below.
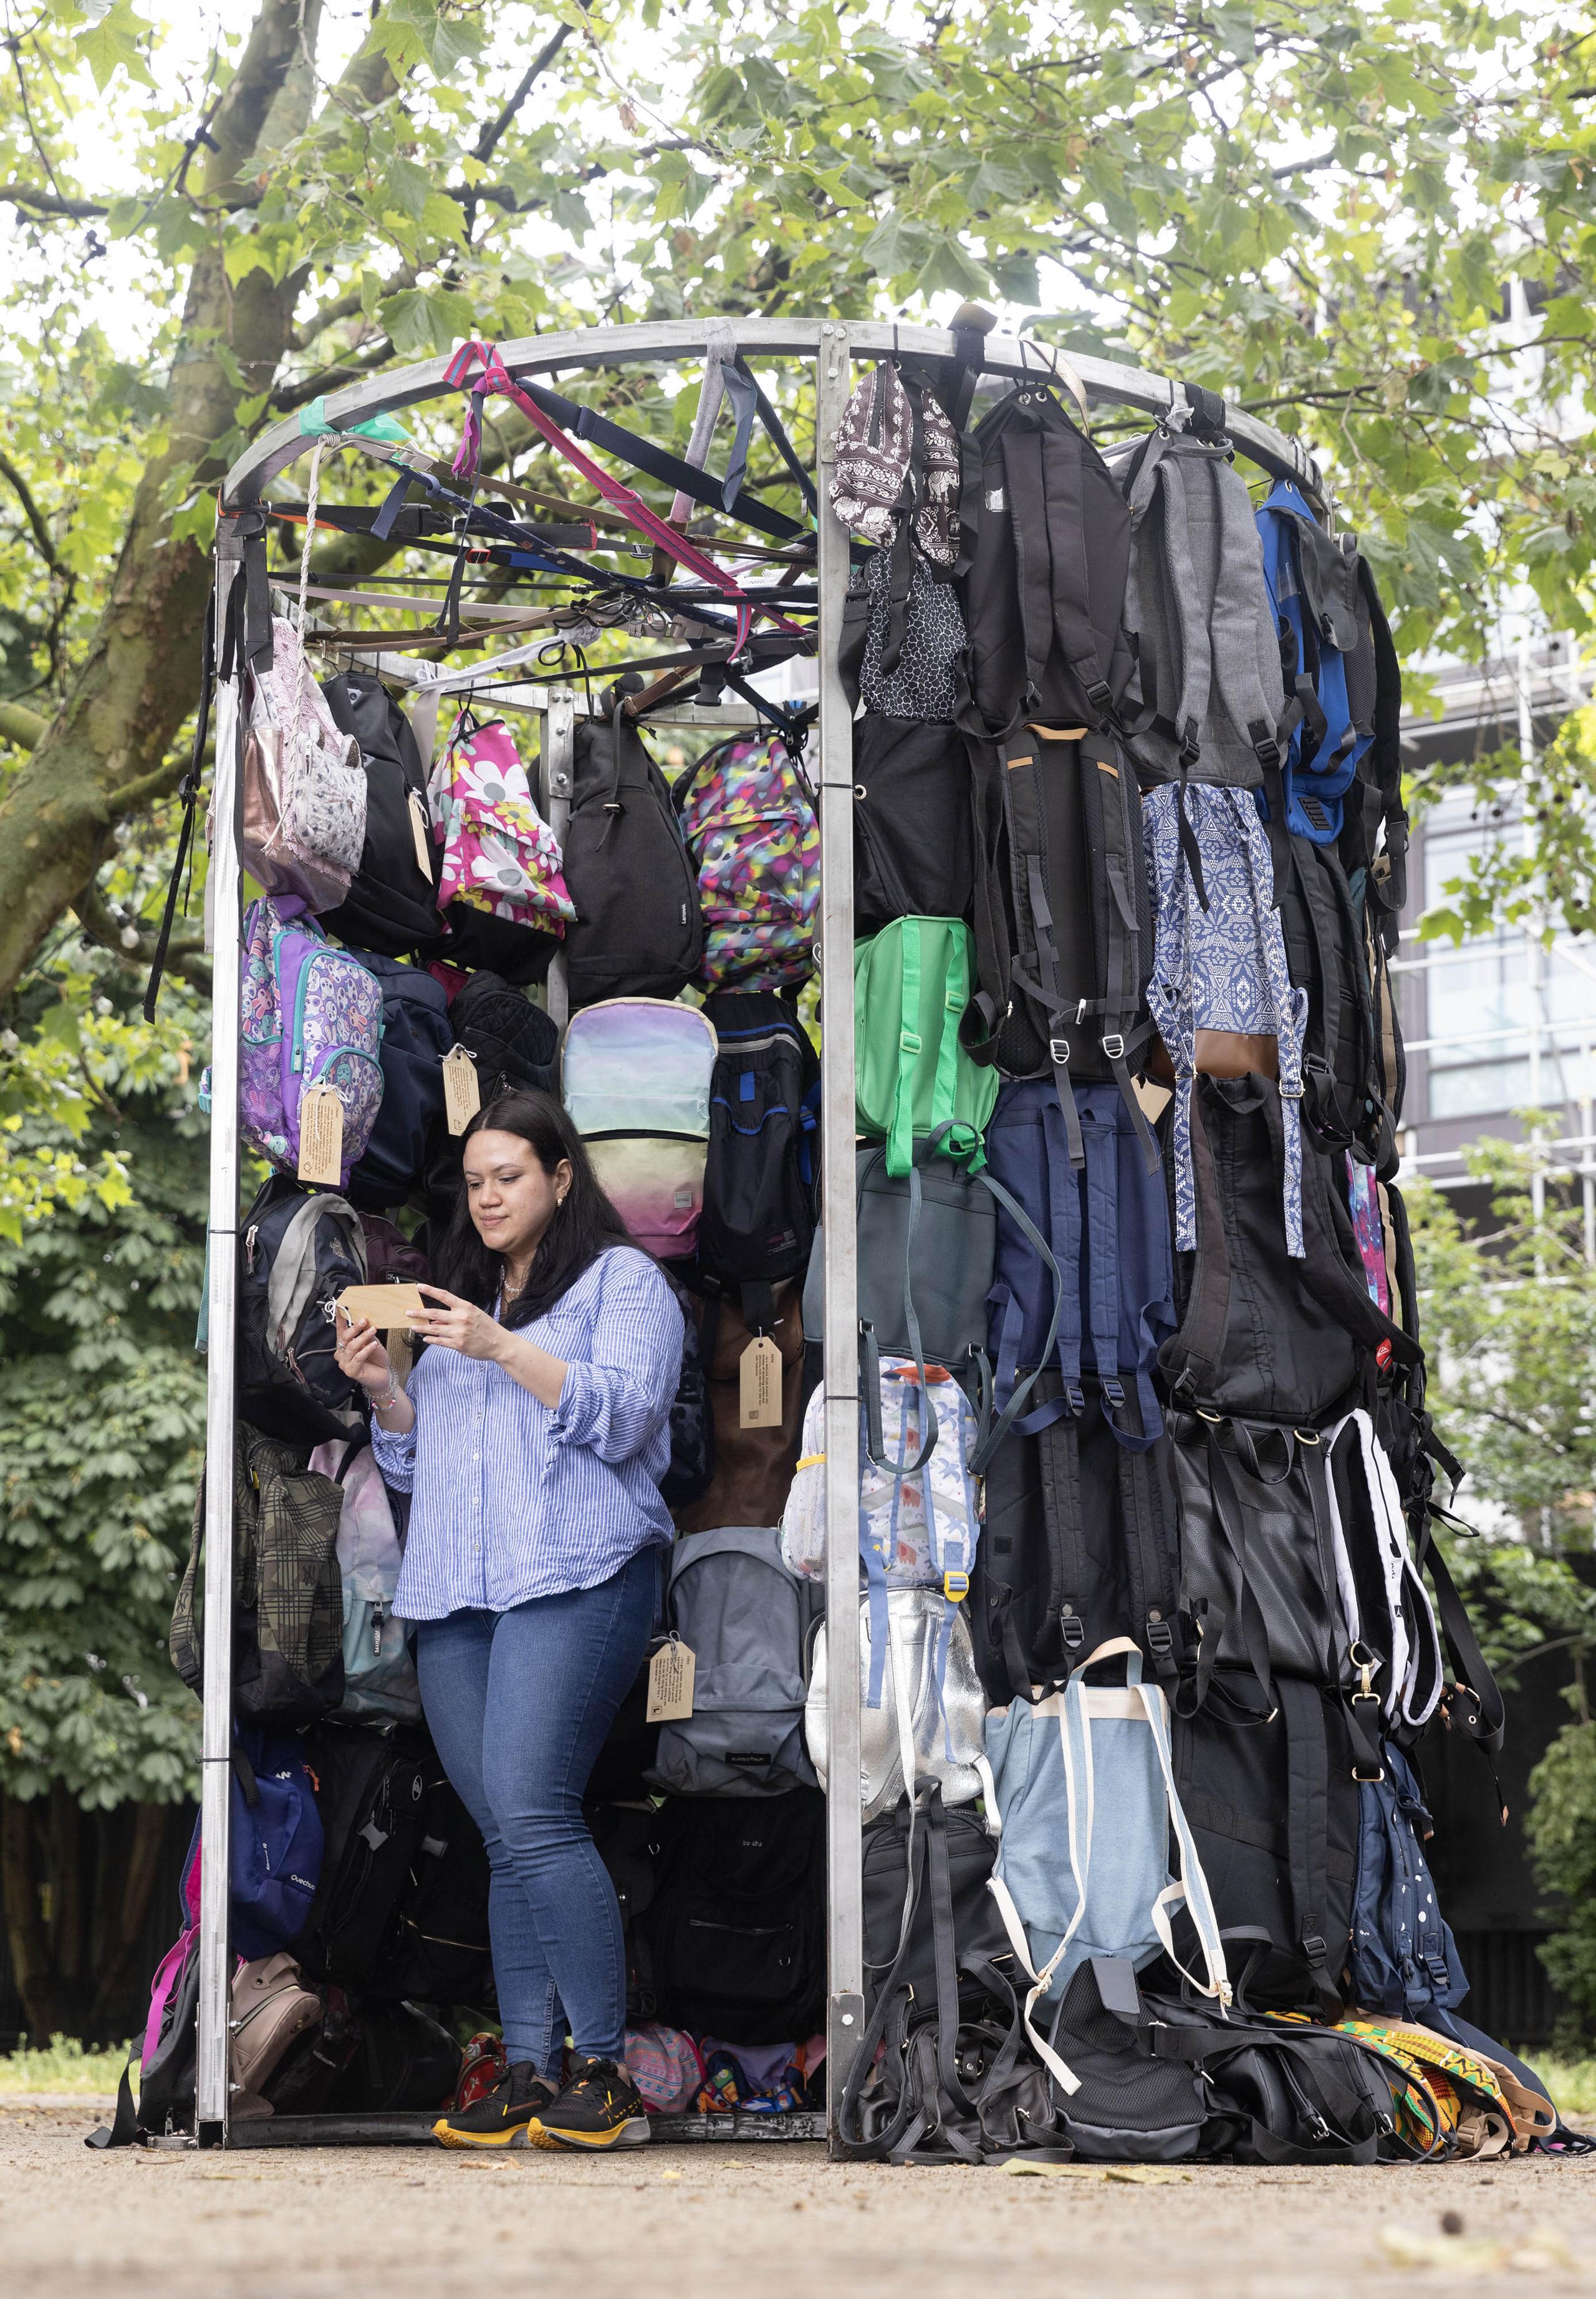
{"points": [[392, 905], [1273, 1809], [1262, 1334], [442, 1950], [289, 1382], [1063, 915], [913, 830], [758, 1220], [416, 1035], [629, 1839], [737, 1928], [639, 930], [403, 2063], [1048, 552], [515, 1046], [1078, 1545], [1342, 1104], [691, 1469], [371, 1795]]}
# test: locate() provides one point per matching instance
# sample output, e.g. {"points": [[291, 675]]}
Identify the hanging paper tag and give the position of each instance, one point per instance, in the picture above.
{"points": [[321, 1136], [759, 1385], [463, 1096], [422, 831], [670, 1675]]}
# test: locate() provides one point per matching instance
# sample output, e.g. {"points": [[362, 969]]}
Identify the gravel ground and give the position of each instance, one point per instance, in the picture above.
{"points": [[677, 2222]]}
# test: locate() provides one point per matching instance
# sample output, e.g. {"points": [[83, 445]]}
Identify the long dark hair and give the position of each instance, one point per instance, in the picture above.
{"points": [[583, 1227]]}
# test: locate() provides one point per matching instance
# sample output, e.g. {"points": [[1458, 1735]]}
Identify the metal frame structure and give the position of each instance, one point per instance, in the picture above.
{"points": [[833, 346]]}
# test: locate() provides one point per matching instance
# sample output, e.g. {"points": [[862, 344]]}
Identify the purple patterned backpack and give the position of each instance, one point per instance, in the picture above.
{"points": [[311, 1016], [748, 815]]}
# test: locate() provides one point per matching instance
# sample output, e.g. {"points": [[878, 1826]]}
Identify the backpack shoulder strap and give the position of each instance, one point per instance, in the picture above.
{"points": [[1023, 486], [1063, 461], [1307, 1825]]}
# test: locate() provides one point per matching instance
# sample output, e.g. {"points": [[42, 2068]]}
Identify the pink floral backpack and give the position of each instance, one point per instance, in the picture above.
{"points": [[748, 815], [499, 855]]}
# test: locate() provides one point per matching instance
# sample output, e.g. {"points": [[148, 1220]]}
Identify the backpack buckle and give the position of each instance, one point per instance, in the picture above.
{"points": [[1112, 1391], [1160, 1639], [1101, 696], [1313, 1947], [909, 1042], [954, 1586], [1072, 1629], [1058, 1052], [1113, 1045]]}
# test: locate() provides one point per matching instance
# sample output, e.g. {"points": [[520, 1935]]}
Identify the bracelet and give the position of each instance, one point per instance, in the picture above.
{"points": [[390, 1396]]}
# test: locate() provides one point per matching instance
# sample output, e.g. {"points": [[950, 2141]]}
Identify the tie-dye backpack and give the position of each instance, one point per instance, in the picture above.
{"points": [[748, 815]]}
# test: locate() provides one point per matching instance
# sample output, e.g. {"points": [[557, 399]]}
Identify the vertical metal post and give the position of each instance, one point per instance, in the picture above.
{"points": [[844, 2022], [557, 755], [216, 1738]]}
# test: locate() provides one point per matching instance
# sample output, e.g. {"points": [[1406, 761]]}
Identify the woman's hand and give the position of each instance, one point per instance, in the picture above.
{"points": [[362, 1356], [459, 1324]]}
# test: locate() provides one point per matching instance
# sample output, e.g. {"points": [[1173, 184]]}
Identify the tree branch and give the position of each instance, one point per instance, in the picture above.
{"points": [[21, 726], [30, 198], [330, 379], [184, 953], [539, 64], [36, 519]]}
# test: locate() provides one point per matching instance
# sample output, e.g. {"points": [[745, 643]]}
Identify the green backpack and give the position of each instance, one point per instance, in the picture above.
{"points": [[911, 983]]}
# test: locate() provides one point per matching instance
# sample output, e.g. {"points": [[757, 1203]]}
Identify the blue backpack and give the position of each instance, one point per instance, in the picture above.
{"points": [[274, 1852], [1328, 656], [1404, 1959], [416, 1035]]}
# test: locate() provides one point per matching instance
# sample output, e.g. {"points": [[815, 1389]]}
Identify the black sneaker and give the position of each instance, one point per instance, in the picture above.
{"points": [[599, 2107], [505, 2118]]}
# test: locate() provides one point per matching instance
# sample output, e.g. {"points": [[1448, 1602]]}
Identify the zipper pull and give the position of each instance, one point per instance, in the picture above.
{"points": [[378, 1618]]}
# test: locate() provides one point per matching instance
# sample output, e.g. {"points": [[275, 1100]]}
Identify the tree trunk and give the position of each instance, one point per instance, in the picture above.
{"points": [[141, 1854], [21, 1874], [106, 750]]}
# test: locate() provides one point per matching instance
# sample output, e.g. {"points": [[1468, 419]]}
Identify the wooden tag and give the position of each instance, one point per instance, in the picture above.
{"points": [[463, 1096], [321, 1136], [759, 1385], [670, 1675], [388, 1307], [421, 828]]}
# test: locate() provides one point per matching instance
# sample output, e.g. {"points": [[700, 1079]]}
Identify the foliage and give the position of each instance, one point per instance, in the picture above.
{"points": [[63, 2066], [102, 1400], [1562, 1831]]}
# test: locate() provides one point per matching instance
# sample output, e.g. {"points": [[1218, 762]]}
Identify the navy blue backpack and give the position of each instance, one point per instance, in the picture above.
{"points": [[416, 1035], [1404, 1959], [274, 1850], [1328, 656]]}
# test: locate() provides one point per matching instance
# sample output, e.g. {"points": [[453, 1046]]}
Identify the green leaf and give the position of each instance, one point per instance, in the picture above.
{"points": [[408, 187], [422, 321]]}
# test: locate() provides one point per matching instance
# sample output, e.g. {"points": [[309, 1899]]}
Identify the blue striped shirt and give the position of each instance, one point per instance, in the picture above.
{"points": [[514, 1498]]}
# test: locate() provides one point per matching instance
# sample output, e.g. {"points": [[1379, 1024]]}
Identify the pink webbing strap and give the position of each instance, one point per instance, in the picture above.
{"points": [[497, 376]]}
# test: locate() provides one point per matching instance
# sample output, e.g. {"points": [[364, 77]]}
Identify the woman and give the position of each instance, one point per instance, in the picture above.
{"points": [[532, 1434]]}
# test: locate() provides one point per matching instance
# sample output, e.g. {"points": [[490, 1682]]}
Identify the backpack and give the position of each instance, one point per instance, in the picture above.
{"points": [[416, 1035], [912, 1079], [391, 1257], [1404, 1958], [638, 931], [311, 1015], [753, 1467], [739, 1609], [1064, 932], [897, 452], [1343, 1104], [1384, 1599], [635, 1076], [391, 904], [666, 2065], [929, 1723], [1268, 1793], [1212, 696], [1328, 656], [302, 794], [274, 1843], [168, 2055], [380, 1676], [939, 2075], [515, 1046], [691, 1468], [913, 826], [441, 1950], [748, 816], [757, 1222], [501, 885], [287, 1598], [269, 2010], [1106, 1222], [1047, 549], [918, 679], [1086, 1788], [370, 1792], [404, 2063], [301, 1251], [737, 1927], [1079, 1543]]}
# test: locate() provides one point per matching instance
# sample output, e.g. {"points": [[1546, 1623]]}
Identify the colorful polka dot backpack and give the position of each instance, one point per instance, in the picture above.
{"points": [[748, 815]]}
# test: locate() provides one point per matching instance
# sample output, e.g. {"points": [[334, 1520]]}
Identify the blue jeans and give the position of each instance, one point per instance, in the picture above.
{"points": [[519, 1704]]}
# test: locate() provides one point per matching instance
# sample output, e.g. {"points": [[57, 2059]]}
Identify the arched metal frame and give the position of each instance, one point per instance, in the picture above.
{"points": [[834, 345]]}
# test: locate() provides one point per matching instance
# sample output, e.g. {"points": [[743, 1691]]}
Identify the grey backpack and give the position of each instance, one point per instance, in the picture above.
{"points": [[745, 1618], [1213, 692]]}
